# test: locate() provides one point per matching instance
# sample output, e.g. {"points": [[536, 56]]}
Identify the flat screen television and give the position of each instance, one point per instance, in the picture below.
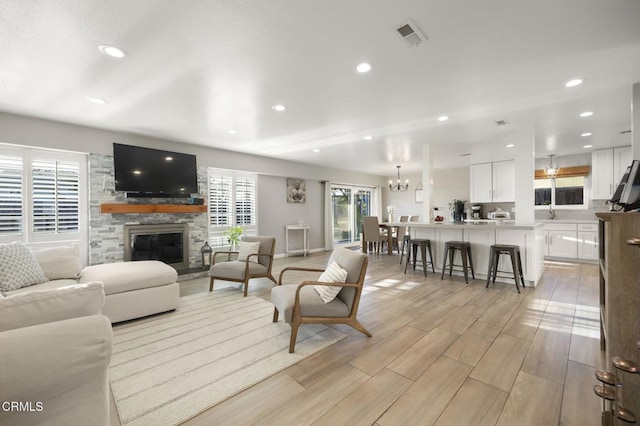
{"points": [[147, 172]]}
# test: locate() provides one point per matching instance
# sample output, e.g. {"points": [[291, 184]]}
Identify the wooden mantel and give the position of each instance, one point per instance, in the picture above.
{"points": [[152, 208]]}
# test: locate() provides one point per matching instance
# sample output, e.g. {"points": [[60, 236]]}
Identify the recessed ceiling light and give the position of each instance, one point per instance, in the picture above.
{"points": [[95, 100], [588, 146], [586, 114], [363, 67], [114, 52], [279, 108], [368, 138], [573, 83], [316, 150], [584, 135], [509, 145], [168, 158], [443, 118], [137, 172], [232, 131]]}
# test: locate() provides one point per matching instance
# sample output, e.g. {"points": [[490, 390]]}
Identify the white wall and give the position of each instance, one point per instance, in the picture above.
{"points": [[274, 212]]}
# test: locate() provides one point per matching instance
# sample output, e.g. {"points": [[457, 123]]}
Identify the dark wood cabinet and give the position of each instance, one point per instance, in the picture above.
{"points": [[620, 297]]}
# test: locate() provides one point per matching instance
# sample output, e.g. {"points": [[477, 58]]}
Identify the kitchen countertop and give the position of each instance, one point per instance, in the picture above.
{"points": [[568, 221], [469, 225]]}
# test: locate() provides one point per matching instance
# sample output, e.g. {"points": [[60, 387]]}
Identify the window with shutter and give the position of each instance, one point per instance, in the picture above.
{"points": [[10, 195], [43, 196], [232, 202], [55, 196]]}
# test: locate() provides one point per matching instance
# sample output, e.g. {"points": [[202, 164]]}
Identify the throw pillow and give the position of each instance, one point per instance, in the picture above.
{"points": [[246, 248], [333, 274], [18, 267], [60, 262], [42, 306]]}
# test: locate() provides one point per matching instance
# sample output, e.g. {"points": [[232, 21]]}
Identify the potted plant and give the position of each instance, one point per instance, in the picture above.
{"points": [[457, 208], [233, 235]]}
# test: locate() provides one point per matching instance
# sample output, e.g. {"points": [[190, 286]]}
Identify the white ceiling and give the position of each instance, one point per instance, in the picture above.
{"points": [[200, 67]]}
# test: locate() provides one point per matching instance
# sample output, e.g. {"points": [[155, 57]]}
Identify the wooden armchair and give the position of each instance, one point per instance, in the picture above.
{"points": [[301, 304], [257, 265]]}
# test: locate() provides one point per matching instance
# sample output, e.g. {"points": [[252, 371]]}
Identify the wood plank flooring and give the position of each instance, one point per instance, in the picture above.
{"points": [[442, 352]]}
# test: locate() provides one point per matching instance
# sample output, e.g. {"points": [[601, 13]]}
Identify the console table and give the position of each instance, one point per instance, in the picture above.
{"points": [[305, 239]]}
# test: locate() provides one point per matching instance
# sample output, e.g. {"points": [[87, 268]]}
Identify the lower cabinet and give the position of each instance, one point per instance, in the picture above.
{"points": [[588, 241], [571, 240]]}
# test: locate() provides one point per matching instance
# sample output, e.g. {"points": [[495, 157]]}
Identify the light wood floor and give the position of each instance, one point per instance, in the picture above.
{"points": [[442, 352]]}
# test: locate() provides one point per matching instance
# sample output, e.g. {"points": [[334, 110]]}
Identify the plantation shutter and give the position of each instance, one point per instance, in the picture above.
{"points": [[56, 198], [220, 200], [245, 202], [10, 195]]}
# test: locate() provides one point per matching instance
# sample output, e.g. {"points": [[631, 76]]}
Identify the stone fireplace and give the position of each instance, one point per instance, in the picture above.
{"points": [[168, 243]]}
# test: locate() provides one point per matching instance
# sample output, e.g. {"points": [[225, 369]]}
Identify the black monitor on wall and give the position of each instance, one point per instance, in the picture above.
{"points": [[147, 172]]}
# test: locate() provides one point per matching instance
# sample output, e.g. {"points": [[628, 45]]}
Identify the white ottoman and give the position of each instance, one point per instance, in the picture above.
{"points": [[135, 289]]}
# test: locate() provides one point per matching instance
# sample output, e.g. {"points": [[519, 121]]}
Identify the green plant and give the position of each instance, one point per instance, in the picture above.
{"points": [[233, 235], [455, 202]]}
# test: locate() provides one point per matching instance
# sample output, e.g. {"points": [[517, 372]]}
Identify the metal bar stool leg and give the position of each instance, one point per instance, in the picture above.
{"points": [[471, 262], [520, 268], [490, 267], [423, 253], [516, 272], [452, 256], [433, 269], [496, 260], [463, 255], [444, 259]]}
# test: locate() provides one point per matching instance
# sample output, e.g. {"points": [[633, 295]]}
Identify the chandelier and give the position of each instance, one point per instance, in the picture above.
{"points": [[398, 186], [551, 171]]}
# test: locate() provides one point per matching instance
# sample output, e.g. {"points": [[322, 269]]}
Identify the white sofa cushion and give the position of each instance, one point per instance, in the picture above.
{"points": [[60, 262], [129, 276], [39, 307], [18, 267]]}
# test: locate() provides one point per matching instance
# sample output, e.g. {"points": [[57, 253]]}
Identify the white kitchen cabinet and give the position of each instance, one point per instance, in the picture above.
{"points": [[607, 168], [588, 241], [561, 240], [492, 182]]}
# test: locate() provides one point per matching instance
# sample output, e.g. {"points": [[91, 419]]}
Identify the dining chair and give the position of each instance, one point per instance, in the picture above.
{"points": [[302, 303], [372, 234]]}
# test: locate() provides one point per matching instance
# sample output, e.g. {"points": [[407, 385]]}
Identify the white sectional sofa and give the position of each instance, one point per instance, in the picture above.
{"points": [[55, 349], [132, 289]]}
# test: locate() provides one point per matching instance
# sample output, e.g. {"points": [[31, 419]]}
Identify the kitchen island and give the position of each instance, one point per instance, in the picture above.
{"points": [[482, 235]]}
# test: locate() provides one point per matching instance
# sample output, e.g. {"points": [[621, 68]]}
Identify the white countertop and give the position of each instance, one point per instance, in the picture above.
{"points": [[508, 224]]}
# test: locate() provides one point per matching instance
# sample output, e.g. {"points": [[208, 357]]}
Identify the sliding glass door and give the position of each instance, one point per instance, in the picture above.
{"points": [[350, 204]]}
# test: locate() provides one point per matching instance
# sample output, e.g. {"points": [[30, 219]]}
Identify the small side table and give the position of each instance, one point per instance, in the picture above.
{"points": [[305, 239]]}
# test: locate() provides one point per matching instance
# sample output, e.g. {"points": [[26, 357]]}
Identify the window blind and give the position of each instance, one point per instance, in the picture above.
{"points": [[10, 195], [56, 199]]}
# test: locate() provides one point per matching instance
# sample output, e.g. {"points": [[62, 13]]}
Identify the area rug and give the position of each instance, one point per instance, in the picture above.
{"points": [[166, 369]]}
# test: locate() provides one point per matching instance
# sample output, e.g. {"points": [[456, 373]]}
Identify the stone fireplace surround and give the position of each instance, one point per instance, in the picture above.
{"points": [[106, 230]]}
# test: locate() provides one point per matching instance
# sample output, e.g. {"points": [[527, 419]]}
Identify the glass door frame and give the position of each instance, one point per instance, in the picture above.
{"points": [[355, 229]]}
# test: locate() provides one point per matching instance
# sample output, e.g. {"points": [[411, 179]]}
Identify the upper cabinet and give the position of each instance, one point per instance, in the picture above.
{"points": [[493, 182], [607, 168]]}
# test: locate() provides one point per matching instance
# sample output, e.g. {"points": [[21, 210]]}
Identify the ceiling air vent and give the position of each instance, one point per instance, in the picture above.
{"points": [[501, 122], [624, 132], [410, 33]]}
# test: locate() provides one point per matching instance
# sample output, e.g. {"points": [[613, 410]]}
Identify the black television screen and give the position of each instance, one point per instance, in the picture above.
{"points": [[154, 173]]}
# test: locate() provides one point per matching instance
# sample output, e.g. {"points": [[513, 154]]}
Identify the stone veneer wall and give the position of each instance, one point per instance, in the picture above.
{"points": [[106, 242]]}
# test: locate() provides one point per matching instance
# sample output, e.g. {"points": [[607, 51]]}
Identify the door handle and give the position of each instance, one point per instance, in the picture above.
{"points": [[634, 241]]}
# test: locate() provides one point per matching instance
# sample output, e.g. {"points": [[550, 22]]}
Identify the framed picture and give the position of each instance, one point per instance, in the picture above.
{"points": [[418, 195], [296, 191]]}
